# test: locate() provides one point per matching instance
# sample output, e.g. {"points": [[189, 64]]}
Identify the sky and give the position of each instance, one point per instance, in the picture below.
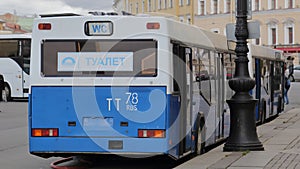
{"points": [[31, 7]]}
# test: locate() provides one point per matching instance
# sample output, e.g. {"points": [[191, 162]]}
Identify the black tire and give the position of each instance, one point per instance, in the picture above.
{"points": [[279, 106], [7, 93]]}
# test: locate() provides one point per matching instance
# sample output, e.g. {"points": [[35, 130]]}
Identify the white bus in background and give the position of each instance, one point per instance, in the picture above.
{"points": [[14, 64]]}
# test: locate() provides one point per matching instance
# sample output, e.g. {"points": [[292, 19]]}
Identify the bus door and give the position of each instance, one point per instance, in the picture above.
{"points": [[276, 87], [25, 55], [272, 87], [258, 86], [182, 64], [220, 100], [16, 73]]}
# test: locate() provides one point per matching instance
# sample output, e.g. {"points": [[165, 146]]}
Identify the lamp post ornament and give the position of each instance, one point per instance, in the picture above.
{"points": [[243, 135]]}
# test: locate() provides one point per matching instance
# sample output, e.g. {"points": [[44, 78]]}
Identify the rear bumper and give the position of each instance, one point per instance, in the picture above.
{"points": [[97, 145]]}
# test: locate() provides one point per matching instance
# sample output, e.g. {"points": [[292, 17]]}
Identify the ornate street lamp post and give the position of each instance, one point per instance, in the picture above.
{"points": [[242, 134]]}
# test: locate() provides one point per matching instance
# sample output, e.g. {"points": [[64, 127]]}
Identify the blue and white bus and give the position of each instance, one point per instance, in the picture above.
{"points": [[267, 67], [14, 64], [126, 85]]}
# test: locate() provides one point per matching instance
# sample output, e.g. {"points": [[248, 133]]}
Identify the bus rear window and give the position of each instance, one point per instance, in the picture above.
{"points": [[99, 58], [8, 48]]}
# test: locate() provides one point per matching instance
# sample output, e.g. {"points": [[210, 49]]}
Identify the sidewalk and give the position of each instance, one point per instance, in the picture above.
{"points": [[280, 138]]}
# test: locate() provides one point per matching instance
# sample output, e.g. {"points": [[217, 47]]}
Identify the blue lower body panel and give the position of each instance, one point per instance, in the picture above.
{"points": [[99, 119]]}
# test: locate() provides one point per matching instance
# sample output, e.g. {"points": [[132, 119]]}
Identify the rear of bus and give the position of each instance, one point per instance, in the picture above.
{"points": [[98, 86]]}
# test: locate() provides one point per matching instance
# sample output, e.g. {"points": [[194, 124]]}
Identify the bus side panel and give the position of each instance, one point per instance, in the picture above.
{"points": [[97, 116], [174, 126], [257, 88]]}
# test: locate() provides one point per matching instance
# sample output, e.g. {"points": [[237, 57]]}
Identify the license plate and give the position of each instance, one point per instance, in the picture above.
{"points": [[99, 28], [94, 123]]}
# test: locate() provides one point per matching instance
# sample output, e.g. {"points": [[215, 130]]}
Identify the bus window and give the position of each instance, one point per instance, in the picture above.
{"points": [[8, 48], [196, 65], [100, 58], [26, 46], [229, 65], [277, 75], [213, 76], [266, 75], [204, 74]]}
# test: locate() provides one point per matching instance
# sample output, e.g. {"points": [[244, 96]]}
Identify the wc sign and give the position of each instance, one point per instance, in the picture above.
{"points": [[95, 61]]}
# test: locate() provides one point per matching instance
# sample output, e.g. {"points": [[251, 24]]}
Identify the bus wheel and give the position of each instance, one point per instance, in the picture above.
{"points": [[279, 109], [263, 111], [6, 95], [200, 135]]}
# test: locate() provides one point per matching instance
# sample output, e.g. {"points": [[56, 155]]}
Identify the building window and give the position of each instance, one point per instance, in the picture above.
{"points": [[214, 6], [127, 5], [272, 4], [227, 6], [130, 8], [188, 2], [149, 6], [171, 3], [165, 4], [291, 35], [256, 5], [272, 32], [289, 4], [201, 7], [143, 6], [159, 4], [289, 31], [180, 2]]}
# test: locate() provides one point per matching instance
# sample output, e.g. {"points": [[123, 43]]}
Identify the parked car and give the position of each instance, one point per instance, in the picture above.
{"points": [[296, 73]]}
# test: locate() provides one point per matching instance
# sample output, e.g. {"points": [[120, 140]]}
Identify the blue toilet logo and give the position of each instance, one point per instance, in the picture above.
{"points": [[68, 61]]}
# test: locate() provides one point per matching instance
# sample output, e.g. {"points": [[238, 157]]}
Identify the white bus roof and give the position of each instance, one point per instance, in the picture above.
{"points": [[15, 36], [196, 35], [132, 26], [265, 52]]}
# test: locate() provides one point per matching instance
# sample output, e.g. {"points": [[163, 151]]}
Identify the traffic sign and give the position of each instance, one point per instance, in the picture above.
{"points": [[253, 30]]}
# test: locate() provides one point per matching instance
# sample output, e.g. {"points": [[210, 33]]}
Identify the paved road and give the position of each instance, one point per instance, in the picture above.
{"points": [[13, 139]]}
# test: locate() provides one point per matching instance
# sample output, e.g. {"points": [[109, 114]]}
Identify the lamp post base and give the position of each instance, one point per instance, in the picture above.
{"points": [[243, 135], [243, 147]]}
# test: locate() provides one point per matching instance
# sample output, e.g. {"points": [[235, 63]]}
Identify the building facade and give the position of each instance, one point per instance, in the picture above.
{"points": [[10, 23], [279, 19]]}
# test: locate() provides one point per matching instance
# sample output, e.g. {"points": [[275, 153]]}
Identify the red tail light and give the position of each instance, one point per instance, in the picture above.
{"points": [[153, 25], [151, 133], [44, 26], [44, 132]]}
